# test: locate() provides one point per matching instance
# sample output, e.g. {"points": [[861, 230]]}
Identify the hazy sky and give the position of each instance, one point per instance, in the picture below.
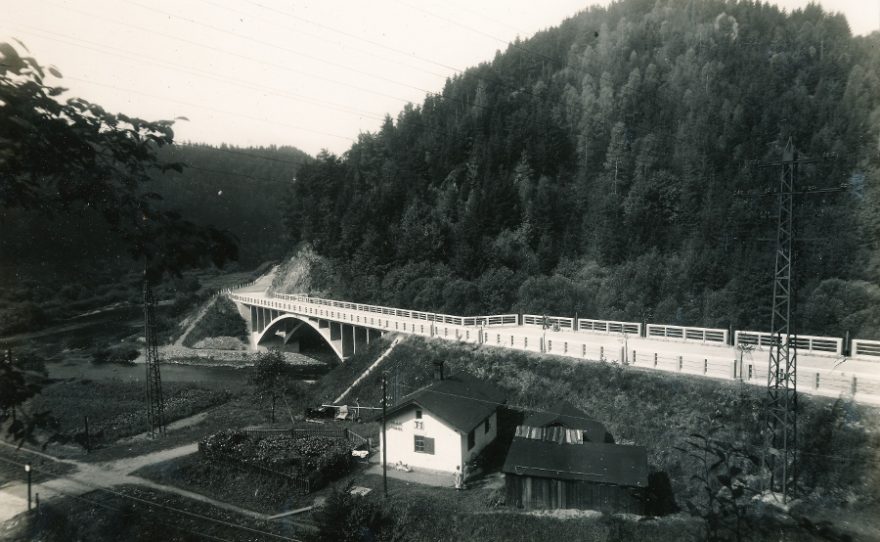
{"points": [[312, 74]]}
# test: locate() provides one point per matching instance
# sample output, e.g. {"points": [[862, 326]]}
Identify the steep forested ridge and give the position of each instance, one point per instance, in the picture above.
{"points": [[240, 189], [237, 189], [611, 167], [52, 264]]}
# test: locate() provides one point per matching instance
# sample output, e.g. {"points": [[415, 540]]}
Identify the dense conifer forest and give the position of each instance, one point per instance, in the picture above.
{"points": [[236, 189], [55, 265], [612, 167]]}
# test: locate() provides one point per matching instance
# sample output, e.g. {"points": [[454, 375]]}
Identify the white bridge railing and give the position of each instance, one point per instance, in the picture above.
{"points": [[865, 349], [699, 354], [609, 326], [555, 322], [833, 346], [808, 343], [679, 333], [486, 321]]}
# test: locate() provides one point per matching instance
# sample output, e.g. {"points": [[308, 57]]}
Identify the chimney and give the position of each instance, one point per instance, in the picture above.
{"points": [[438, 370]]}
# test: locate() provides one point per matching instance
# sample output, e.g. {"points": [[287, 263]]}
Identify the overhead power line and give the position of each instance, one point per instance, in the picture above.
{"points": [[231, 53], [463, 7], [353, 36], [429, 128], [121, 53], [322, 37], [190, 104], [474, 30], [279, 47]]}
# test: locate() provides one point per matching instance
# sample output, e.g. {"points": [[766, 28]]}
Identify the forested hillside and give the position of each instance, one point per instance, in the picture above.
{"points": [[71, 258], [611, 167], [236, 189], [239, 189]]}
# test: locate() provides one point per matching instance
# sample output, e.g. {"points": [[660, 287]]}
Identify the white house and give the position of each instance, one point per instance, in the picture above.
{"points": [[444, 424]]}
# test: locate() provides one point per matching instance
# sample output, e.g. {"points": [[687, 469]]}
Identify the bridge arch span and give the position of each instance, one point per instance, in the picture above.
{"points": [[290, 324]]}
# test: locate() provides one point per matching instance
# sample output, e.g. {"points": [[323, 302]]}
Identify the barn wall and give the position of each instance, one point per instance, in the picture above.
{"points": [[547, 493]]}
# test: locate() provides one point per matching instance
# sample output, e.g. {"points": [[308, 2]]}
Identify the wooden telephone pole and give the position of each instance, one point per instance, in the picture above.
{"points": [[153, 384]]}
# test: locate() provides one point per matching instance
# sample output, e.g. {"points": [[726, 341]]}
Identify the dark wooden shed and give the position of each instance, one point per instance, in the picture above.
{"points": [[598, 476]]}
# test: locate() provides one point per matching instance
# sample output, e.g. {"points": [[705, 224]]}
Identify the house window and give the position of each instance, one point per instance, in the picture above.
{"points": [[418, 414], [423, 445], [471, 439], [487, 425]]}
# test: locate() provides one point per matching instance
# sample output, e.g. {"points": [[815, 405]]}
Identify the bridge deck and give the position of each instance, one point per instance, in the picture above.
{"points": [[818, 373]]}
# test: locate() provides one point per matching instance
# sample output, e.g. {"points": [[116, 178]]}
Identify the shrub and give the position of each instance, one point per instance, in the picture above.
{"points": [[351, 518], [220, 320], [121, 354], [318, 458]]}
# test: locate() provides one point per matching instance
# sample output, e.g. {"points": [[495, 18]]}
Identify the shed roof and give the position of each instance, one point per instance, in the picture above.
{"points": [[591, 461], [566, 415], [462, 401]]}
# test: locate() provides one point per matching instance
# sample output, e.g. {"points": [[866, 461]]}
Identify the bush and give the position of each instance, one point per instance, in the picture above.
{"points": [[21, 317], [350, 518], [317, 458], [124, 355], [220, 320]]}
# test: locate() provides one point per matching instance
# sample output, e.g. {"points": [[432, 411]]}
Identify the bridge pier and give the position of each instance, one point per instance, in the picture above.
{"points": [[348, 347]]}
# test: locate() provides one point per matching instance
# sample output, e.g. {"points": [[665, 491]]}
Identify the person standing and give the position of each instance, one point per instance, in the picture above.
{"points": [[457, 477]]}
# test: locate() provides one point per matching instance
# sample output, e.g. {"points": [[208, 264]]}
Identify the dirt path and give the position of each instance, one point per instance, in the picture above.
{"points": [[196, 320], [173, 426], [91, 476]]}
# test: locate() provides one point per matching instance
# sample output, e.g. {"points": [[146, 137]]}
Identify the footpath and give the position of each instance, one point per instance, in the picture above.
{"points": [[91, 476]]}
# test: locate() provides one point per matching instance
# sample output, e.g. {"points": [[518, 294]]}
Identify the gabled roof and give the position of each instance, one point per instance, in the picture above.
{"points": [[566, 415], [592, 462], [461, 401]]}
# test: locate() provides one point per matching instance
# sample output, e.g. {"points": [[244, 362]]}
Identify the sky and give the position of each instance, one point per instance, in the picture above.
{"points": [[310, 74]]}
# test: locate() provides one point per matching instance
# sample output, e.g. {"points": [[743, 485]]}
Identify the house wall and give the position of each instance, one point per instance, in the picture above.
{"points": [[481, 438], [401, 430], [548, 493]]}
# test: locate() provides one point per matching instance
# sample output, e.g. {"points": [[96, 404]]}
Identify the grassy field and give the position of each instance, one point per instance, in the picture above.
{"points": [[120, 410], [137, 514], [12, 471], [245, 488]]}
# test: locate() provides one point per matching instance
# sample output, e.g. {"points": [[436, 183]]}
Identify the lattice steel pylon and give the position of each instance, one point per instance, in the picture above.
{"points": [[153, 384], [780, 431]]}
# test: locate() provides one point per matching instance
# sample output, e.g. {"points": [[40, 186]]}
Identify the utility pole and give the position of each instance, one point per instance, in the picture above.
{"points": [[779, 457], [384, 436], [780, 414], [88, 437], [153, 385], [780, 431]]}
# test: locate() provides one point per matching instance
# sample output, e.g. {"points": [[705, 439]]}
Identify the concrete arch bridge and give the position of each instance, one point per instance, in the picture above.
{"points": [[294, 331]]}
